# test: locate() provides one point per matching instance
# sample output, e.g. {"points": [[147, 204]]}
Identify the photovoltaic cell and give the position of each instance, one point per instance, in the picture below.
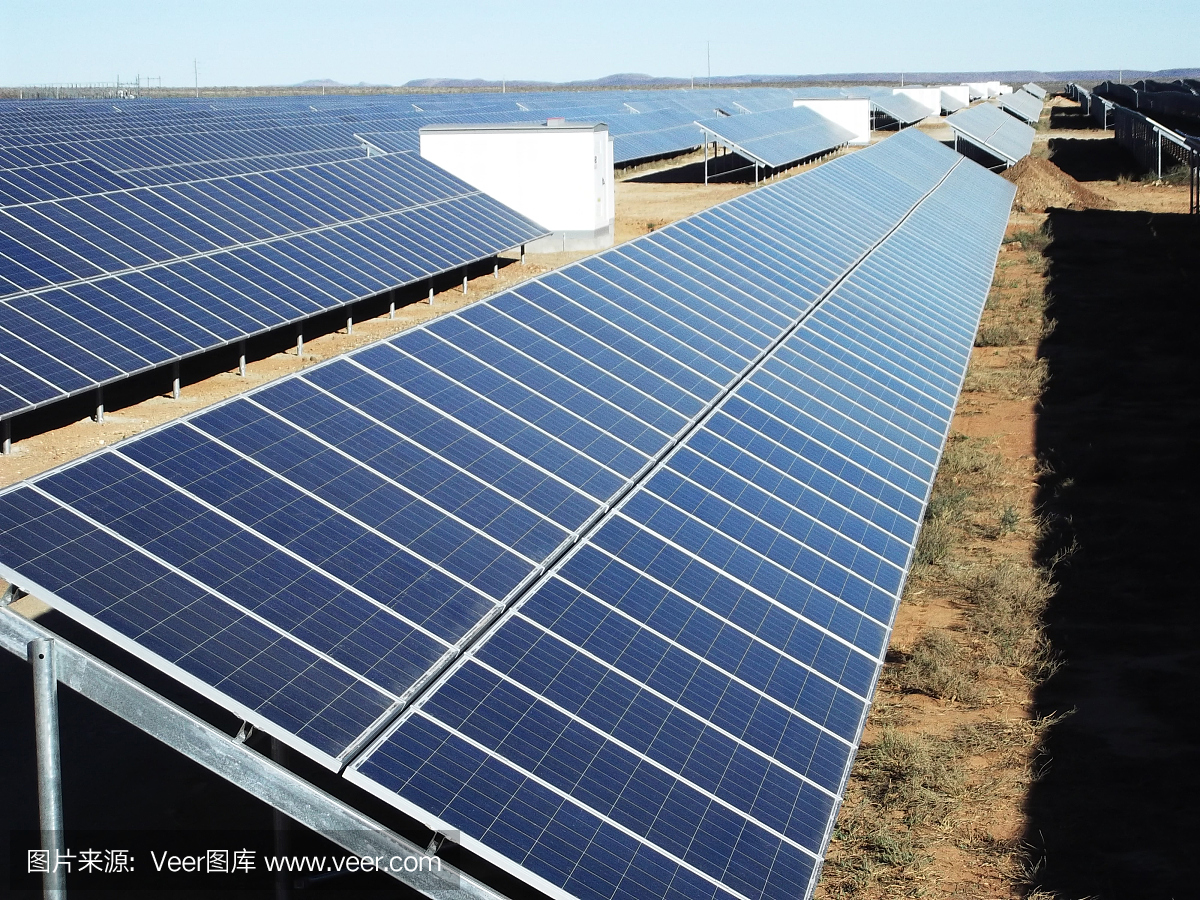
{"points": [[621, 546]]}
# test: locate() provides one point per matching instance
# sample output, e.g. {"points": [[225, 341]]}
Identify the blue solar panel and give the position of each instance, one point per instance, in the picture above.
{"points": [[1023, 105], [218, 261], [988, 127], [630, 535], [780, 137]]}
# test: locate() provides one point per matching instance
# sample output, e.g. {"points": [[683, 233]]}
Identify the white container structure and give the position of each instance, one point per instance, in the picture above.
{"points": [[929, 98], [955, 97], [559, 174], [853, 114], [978, 89], [1004, 89], [993, 88]]}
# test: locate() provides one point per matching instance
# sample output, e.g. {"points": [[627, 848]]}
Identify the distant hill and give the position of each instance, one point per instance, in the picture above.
{"points": [[329, 82], [641, 80]]}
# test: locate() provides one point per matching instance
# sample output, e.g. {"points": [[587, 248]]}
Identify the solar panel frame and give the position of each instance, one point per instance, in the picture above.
{"points": [[1023, 105], [988, 127]]}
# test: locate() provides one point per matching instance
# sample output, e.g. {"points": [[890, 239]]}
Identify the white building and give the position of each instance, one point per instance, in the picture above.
{"points": [[558, 174], [929, 98], [955, 96], [852, 114]]}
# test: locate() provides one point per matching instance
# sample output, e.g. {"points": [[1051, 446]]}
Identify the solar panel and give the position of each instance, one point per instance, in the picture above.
{"points": [[903, 109], [989, 127], [780, 137], [1022, 105], [674, 710], [99, 287], [631, 535], [1035, 90]]}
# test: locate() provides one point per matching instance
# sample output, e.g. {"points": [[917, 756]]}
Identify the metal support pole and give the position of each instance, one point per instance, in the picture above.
{"points": [[756, 174], [496, 270], [431, 293], [1158, 134], [706, 162], [300, 341], [242, 358], [99, 415], [522, 254], [6, 436], [464, 282], [174, 381], [49, 768], [349, 323], [283, 830], [392, 309]]}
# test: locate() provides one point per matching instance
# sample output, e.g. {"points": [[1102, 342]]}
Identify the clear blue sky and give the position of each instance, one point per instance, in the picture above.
{"points": [[277, 42]]}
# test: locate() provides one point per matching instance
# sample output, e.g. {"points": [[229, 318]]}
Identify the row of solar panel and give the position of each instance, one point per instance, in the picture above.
{"points": [[60, 242], [1000, 134], [664, 716], [61, 341], [779, 138]]}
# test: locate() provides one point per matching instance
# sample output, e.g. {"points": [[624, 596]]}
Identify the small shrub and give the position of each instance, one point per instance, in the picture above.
{"points": [[1023, 380], [917, 777], [1009, 520], [998, 335], [1006, 605], [938, 668], [970, 457], [1032, 240], [933, 544]]}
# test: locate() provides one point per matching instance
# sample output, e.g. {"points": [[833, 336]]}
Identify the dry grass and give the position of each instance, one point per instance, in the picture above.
{"points": [[1023, 379]]}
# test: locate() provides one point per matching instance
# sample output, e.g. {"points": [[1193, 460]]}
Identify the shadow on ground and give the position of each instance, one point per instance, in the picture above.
{"points": [[728, 168], [1115, 813], [1069, 118], [1102, 159]]}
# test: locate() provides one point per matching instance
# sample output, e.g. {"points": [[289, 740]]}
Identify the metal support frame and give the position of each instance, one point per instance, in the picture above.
{"points": [[465, 280], [175, 390], [283, 830], [41, 655], [6, 437], [300, 341], [239, 764], [1194, 181], [496, 270], [522, 254], [242, 358], [98, 415], [431, 293], [392, 308], [349, 321]]}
